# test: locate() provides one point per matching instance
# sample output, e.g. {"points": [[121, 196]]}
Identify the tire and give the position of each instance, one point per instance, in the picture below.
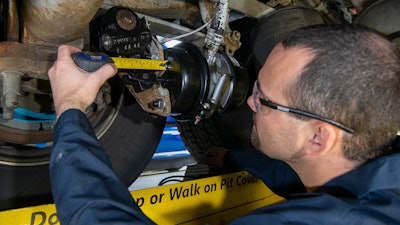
{"points": [[128, 133], [231, 130], [132, 139], [383, 16], [274, 27]]}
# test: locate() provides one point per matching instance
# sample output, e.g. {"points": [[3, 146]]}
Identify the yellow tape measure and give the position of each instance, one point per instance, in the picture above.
{"points": [[141, 64]]}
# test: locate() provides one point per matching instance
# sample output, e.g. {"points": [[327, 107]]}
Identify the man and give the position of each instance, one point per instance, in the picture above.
{"points": [[340, 163], [325, 120]]}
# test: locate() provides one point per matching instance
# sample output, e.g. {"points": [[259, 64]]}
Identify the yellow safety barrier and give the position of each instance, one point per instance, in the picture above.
{"points": [[214, 200]]}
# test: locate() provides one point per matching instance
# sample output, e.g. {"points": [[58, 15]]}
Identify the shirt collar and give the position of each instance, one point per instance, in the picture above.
{"points": [[381, 173]]}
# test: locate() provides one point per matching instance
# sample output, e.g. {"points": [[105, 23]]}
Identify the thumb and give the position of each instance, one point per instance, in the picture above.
{"points": [[104, 73]]}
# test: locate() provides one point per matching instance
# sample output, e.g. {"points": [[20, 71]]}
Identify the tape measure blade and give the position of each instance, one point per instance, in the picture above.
{"points": [[140, 64]]}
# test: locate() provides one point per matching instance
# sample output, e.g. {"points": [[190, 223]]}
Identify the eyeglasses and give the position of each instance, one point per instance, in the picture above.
{"points": [[260, 99]]}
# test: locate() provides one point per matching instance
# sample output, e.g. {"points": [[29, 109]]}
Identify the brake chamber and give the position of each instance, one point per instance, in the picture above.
{"points": [[191, 89]]}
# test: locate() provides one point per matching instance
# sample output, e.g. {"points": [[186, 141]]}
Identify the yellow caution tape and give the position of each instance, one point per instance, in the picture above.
{"points": [[215, 201], [142, 64]]}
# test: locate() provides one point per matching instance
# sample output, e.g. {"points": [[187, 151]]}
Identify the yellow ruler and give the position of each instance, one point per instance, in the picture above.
{"points": [[142, 64]]}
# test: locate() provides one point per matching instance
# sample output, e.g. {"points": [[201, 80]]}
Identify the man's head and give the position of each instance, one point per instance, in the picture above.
{"points": [[346, 74]]}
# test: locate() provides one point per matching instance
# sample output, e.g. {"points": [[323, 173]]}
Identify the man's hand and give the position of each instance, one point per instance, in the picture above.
{"points": [[215, 157], [73, 87]]}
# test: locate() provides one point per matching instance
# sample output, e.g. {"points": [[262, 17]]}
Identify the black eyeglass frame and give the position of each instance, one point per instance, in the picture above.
{"points": [[270, 104]]}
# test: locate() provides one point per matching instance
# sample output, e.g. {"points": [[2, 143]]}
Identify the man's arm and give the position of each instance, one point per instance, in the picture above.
{"points": [[277, 175], [85, 188]]}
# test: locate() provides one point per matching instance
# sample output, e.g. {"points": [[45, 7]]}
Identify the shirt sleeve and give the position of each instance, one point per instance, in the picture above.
{"points": [[84, 186], [277, 175]]}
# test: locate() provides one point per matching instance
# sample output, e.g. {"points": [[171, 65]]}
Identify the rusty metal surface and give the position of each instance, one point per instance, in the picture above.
{"points": [[19, 136], [163, 9], [207, 9], [147, 97], [12, 21], [232, 42], [58, 21], [34, 61], [126, 20], [252, 8]]}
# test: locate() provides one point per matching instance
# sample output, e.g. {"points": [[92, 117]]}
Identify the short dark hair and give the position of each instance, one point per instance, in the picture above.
{"points": [[354, 79]]}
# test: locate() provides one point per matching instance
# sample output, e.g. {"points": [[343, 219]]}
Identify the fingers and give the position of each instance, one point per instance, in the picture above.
{"points": [[100, 76], [63, 59], [105, 72], [73, 87], [65, 51]]}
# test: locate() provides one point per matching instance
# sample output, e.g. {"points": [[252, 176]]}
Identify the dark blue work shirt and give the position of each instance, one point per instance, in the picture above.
{"points": [[368, 195], [87, 191]]}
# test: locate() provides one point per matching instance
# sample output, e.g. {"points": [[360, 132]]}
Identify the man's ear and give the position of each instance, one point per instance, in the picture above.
{"points": [[322, 139]]}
